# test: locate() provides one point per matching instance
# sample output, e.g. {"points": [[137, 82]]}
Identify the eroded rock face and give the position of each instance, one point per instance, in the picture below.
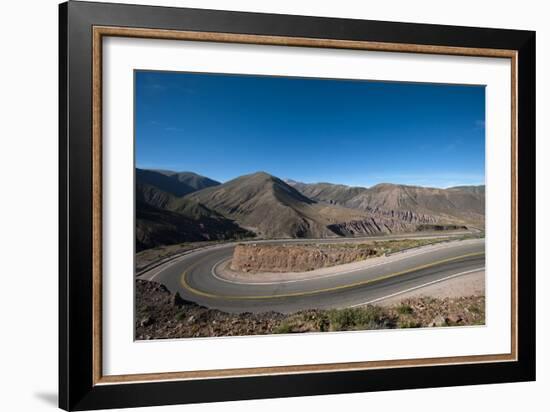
{"points": [[295, 258], [371, 226], [406, 223]]}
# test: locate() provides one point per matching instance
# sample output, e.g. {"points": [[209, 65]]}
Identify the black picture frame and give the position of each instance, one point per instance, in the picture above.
{"points": [[77, 390]]}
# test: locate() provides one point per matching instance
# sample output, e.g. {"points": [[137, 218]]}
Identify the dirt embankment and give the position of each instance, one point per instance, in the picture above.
{"points": [[295, 258], [163, 315]]}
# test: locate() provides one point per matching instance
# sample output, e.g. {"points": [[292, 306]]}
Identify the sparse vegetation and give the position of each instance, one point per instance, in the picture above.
{"points": [[302, 257], [158, 317], [284, 327], [408, 324], [393, 246], [404, 309], [369, 317]]}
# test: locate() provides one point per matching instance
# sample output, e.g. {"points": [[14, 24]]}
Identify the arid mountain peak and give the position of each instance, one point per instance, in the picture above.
{"points": [[269, 207]]}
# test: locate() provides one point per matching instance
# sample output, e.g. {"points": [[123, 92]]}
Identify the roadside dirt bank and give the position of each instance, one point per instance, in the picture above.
{"points": [[163, 315]]}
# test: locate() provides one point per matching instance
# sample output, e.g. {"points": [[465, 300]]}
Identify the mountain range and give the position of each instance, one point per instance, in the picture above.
{"points": [[180, 207]]}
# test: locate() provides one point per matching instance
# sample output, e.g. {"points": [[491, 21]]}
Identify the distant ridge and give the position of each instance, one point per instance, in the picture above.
{"points": [[175, 183], [191, 179], [465, 204], [176, 207]]}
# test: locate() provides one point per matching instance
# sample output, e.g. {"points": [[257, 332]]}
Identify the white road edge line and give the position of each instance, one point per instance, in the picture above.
{"points": [[398, 258], [157, 270], [418, 287]]}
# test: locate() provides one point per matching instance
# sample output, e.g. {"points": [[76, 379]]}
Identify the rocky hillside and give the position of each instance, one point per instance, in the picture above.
{"points": [[327, 192], [271, 208], [162, 218], [265, 206], [157, 227], [163, 315], [376, 226], [462, 204], [177, 184], [192, 180]]}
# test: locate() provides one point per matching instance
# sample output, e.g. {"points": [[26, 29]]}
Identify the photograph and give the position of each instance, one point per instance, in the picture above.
{"points": [[278, 205]]}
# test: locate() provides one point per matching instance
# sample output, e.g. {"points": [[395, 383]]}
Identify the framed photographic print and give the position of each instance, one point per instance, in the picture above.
{"points": [[257, 205]]}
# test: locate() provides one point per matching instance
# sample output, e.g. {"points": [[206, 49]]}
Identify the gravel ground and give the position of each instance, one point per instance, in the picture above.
{"points": [[472, 284], [163, 315]]}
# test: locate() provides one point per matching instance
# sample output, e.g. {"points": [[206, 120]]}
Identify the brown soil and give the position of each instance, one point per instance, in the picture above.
{"points": [[285, 258], [161, 315], [295, 258]]}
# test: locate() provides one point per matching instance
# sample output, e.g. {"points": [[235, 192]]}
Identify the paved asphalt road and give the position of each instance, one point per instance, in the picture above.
{"points": [[193, 277]]}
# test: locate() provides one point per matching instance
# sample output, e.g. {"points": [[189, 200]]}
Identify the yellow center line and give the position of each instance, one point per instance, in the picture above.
{"points": [[318, 291]]}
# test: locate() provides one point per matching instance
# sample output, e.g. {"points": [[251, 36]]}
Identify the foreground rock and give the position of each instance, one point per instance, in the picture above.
{"points": [[162, 315]]}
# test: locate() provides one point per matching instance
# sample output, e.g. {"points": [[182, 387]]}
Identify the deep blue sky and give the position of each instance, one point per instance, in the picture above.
{"points": [[312, 130]]}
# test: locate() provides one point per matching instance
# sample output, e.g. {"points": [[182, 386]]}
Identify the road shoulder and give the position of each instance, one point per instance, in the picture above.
{"points": [[471, 284]]}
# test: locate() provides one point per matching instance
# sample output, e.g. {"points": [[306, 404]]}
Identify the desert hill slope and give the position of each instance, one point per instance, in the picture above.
{"points": [[155, 227], [162, 218], [177, 184], [191, 179], [462, 204], [266, 205], [270, 207], [174, 210]]}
